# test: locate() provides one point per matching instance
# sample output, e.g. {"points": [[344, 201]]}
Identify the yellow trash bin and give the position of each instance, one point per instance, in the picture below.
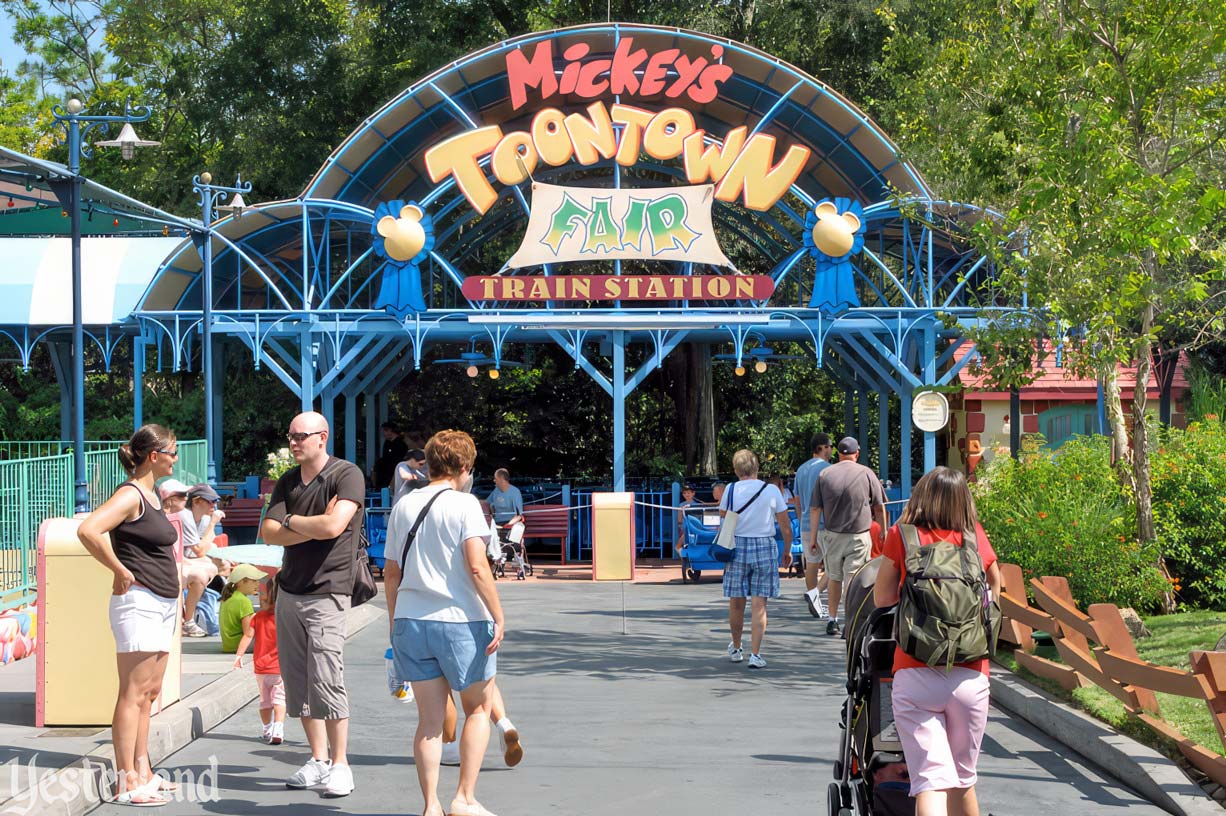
{"points": [[613, 536], [77, 679]]}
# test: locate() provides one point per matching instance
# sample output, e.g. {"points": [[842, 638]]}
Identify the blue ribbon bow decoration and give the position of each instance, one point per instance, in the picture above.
{"points": [[404, 237], [834, 231]]}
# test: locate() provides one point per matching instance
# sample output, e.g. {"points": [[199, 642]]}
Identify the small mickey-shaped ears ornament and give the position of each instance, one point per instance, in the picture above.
{"points": [[404, 236], [834, 231]]}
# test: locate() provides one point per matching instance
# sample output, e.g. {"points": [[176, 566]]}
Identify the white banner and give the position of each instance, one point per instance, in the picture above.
{"points": [[597, 224]]}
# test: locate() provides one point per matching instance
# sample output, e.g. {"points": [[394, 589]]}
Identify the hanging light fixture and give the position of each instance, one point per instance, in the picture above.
{"points": [[471, 371], [495, 374], [12, 203], [739, 371], [165, 231], [115, 223], [760, 366], [127, 142]]}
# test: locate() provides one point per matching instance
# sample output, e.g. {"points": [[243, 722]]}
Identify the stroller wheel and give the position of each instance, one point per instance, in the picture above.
{"points": [[834, 799]]}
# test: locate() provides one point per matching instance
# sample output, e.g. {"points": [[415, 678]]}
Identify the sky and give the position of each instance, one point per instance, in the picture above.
{"points": [[10, 52]]}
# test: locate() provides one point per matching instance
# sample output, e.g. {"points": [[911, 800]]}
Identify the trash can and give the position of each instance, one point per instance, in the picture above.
{"points": [[76, 677], [613, 536]]}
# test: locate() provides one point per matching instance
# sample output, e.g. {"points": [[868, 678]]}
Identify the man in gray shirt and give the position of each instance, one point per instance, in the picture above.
{"points": [[848, 496], [806, 481]]}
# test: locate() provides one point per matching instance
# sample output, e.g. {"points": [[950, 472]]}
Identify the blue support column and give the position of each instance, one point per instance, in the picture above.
{"points": [[904, 425], [619, 411], [138, 383], [216, 443], [372, 430], [883, 434], [306, 372], [351, 427], [1101, 413], [61, 362], [382, 407], [929, 356], [328, 409]]}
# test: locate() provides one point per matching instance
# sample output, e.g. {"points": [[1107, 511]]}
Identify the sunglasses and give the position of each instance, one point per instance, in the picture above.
{"points": [[174, 454], [301, 437]]}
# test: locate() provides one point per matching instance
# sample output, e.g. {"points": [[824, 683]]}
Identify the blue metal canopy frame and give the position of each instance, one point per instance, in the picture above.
{"points": [[295, 282]]}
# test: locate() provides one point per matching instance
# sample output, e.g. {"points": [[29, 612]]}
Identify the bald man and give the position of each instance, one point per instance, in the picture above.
{"points": [[316, 513]]}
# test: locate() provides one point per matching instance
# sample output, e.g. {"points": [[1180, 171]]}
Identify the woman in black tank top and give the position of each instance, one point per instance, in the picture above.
{"points": [[132, 538]]}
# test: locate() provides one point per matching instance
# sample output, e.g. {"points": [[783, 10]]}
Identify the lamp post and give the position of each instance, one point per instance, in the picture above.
{"points": [[78, 127], [211, 196]]}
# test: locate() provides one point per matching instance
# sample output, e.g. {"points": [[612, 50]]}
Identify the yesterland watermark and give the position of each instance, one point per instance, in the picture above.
{"points": [[50, 790]]}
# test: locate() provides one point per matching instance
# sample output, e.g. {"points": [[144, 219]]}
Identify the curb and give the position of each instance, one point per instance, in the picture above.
{"points": [[73, 789], [1147, 772]]}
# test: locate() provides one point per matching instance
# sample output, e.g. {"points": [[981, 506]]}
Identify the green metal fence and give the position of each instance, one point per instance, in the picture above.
{"points": [[30, 491], [36, 449], [36, 488]]}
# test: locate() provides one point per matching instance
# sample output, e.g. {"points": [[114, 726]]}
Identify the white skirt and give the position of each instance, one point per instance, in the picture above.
{"points": [[142, 621]]}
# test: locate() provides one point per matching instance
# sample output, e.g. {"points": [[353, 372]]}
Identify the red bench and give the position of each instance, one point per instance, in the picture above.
{"points": [[548, 521], [243, 513]]}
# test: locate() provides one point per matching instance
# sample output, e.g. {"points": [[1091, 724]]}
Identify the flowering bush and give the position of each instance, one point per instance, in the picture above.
{"points": [[1189, 488], [279, 463], [1065, 513]]}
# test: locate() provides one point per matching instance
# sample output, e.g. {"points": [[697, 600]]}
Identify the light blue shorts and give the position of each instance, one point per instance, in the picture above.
{"points": [[425, 650]]}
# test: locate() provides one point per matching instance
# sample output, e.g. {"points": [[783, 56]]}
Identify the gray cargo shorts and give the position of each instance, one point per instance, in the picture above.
{"points": [[311, 650]]}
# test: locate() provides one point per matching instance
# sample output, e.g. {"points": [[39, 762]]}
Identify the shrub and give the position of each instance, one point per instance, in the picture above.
{"points": [[1189, 488], [1065, 513]]}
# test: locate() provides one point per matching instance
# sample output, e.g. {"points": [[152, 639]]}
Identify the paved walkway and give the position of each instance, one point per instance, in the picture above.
{"points": [[637, 712]]}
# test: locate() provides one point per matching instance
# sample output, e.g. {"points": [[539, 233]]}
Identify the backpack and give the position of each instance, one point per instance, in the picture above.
{"points": [[946, 614]]}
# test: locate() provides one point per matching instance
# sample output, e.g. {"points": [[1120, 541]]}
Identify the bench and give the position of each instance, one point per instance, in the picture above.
{"points": [[548, 521], [243, 513]]}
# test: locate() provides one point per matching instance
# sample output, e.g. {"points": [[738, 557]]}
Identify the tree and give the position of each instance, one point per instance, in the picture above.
{"points": [[1096, 126]]}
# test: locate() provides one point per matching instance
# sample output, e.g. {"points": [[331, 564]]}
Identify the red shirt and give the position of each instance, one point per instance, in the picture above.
{"points": [[896, 552], [265, 649]]}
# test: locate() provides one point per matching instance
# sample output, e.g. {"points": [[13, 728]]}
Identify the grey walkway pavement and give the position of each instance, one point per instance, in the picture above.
{"points": [[637, 712]]}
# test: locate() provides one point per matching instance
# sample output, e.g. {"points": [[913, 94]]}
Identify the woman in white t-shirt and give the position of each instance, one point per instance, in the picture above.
{"points": [[754, 569], [446, 618]]}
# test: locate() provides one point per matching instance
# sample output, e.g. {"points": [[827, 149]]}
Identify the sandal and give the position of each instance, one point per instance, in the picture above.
{"points": [[141, 797], [163, 785]]}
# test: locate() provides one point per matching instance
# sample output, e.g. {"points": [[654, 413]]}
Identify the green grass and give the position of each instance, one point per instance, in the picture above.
{"points": [[1174, 636]]}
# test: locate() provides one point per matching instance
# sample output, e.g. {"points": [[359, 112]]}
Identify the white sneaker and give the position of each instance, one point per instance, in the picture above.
{"points": [[340, 782], [734, 654], [193, 629], [512, 750], [314, 772], [266, 733], [451, 753], [404, 694], [756, 662], [276, 734]]}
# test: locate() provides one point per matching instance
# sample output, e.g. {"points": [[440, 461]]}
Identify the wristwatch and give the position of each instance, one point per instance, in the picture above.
{"points": [[285, 521]]}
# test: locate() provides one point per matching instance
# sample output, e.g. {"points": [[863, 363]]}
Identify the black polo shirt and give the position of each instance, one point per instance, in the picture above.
{"points": [[320, 567]]}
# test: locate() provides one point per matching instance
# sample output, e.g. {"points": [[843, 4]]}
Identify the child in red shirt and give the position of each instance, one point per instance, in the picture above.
{"points": [[267, 668]]}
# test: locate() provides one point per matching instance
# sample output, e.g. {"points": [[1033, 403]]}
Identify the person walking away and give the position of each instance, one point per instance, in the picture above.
{"points": [[131, 536], [847, 497], [315, 512], [754, 569], [445, 616], [390, 454], [805, 480], [410, 474], [237, 611], [199, 520], [267, 668], [940, 714]]}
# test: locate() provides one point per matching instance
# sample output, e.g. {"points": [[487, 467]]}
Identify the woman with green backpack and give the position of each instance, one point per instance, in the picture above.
{"points": [[946, 626]]}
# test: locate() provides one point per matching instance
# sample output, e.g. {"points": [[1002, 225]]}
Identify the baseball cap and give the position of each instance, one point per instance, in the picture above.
{"points": [[245, 571], [848, 444], [171, 487], [203, 491], [417, 455]]}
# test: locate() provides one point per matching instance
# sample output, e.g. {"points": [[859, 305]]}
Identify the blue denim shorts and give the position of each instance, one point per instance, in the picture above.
{"points": [[425, 650]]}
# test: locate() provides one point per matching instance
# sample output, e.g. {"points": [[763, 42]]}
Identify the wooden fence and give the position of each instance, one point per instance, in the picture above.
{"points": [[1097, 648]]}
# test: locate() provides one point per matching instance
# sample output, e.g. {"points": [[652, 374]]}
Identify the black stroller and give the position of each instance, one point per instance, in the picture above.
{"points": [[870, 773]]}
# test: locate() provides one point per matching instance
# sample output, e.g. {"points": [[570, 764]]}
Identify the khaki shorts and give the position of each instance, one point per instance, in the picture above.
{"points": [[813, 549], [845, 552]]}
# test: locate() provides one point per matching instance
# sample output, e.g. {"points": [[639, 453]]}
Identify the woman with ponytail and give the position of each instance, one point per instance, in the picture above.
{"points": [[132, 538]]}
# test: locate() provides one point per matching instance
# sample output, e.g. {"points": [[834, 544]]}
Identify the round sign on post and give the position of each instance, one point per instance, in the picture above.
{"points": [[930, 411]]}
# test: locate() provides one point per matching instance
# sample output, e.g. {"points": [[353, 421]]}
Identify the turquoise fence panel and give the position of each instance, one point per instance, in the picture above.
{"points": [[30, 490], [34, 449], [103, 474], [192, 466]]}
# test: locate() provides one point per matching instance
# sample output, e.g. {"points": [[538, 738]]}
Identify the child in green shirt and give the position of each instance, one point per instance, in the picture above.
{"points": [[237, 610]]}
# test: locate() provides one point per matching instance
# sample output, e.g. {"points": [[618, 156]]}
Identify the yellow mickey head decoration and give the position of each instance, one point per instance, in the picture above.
{"points": [[405, 236], [833, 233]]}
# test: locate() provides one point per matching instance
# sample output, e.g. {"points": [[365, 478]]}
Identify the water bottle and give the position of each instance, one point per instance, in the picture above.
{"points": [[399, 689]]}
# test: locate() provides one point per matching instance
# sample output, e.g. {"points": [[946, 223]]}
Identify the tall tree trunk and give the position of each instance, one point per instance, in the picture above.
{"points": [[1142, 477], [702, 409], [1121, 454]]}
